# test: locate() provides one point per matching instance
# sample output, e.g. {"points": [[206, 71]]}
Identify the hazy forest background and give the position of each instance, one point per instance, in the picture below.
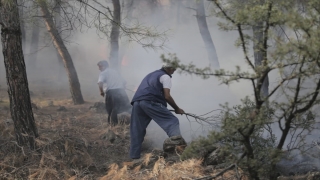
{"points": [[87, 46], [247, 75]]}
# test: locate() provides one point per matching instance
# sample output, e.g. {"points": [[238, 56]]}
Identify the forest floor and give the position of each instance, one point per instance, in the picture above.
{"points": [[76, 142]]}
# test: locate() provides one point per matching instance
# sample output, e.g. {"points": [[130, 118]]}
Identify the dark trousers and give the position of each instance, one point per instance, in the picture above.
{"points": [[117, 101], [142, 113]]}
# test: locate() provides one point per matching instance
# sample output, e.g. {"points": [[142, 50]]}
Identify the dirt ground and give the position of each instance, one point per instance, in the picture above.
{"points": [[76, 142]]}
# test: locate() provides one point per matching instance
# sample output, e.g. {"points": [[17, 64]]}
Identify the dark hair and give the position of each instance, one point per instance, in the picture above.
{"points": [[103, 63]]}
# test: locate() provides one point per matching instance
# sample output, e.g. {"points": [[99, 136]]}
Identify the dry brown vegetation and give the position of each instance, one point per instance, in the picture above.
{"points": [[77, 143], [161, 170]]}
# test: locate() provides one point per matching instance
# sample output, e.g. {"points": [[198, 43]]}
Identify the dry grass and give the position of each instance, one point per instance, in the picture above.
{"points": [[161, 171], [78, 144], [69, 147], [189, 169]]}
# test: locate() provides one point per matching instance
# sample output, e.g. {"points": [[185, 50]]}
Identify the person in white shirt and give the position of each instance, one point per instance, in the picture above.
{"points": [[112, 87]]}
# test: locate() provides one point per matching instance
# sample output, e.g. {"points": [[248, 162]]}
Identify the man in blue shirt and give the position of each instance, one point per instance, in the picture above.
{"points": [[150, 102]]}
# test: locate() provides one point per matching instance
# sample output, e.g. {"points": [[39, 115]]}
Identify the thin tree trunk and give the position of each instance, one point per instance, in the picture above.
{"points": [[63, 51], [57, 14], [114, 36], [205, 34], [18, 89], [258, 55], [57, 20]]}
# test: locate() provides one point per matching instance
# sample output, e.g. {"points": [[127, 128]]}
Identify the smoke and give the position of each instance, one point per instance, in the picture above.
{"points": [[191, 93]]}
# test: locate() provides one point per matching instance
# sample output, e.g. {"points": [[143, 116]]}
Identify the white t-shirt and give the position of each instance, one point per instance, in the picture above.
{"points": [[165, 80], [111, 79]]}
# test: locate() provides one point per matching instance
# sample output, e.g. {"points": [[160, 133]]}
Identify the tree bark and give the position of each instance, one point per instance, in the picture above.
{"points": [[57, 21], [22, 24], [64, 53], [57, 14], [205, 34], [114, 36], [18, 89], [258, 55]]}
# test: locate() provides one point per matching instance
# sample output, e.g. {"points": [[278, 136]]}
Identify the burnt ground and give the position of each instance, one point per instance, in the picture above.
{"points": [[76, 142]]}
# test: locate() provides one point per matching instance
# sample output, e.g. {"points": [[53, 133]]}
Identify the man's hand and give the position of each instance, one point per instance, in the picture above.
{"points": [[100, 84], [179, 111], [170, 100]]}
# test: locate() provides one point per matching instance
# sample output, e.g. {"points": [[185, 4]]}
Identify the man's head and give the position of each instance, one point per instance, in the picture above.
{"points": [[169, 68], [103, 65]]}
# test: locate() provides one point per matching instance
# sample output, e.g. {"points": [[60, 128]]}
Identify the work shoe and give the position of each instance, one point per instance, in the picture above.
{"points": [[170, 144]]}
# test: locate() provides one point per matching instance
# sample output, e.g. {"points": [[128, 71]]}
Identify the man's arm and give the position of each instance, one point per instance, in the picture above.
{"points": [[100, 84], [172, 103]]}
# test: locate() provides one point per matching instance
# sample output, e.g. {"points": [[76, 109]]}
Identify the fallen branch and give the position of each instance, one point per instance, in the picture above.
{"points": [[42, 114], [223, 171], [21, 147], [211, 120], [217, 175]]}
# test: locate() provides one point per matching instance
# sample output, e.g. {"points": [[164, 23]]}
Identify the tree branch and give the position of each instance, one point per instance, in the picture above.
{"points": [[239, 30], [223, 171]]}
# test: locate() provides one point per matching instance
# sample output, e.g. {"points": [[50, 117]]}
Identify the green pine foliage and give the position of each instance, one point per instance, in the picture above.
{"points": [[275, 36]]}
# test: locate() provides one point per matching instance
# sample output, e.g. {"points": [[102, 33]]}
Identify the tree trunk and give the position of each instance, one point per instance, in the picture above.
{"points": [[114, 36], [22, 24], [57, 21], [18, 90], [205, 34], [258, 55], [57, 14], [63, 51]]}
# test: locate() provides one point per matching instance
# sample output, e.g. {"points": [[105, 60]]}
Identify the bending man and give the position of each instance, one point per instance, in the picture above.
{"points": [[150, 102], [111, 86]]}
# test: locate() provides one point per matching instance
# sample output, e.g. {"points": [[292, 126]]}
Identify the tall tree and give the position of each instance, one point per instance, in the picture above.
{"points": [[259, 48], [114, 35], [260, 53], [57, 14], [64, 53], [263, 133], [205, 34], [18, 90], [22, 22], [57, 21]]}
